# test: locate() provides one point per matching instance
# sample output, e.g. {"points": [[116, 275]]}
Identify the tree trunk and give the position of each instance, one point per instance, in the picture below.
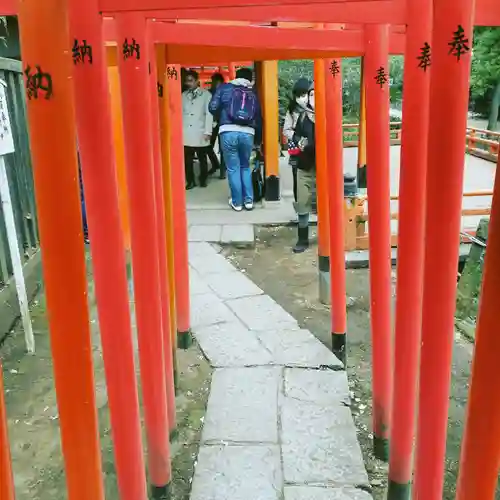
{"points": [[495, 104]]}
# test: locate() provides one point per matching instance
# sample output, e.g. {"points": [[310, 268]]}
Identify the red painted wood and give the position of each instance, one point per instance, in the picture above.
{"points": [[410, 243], [95, 142], [146, 5], [377, 153], [448, 118], [481, 446], [135, 95]]}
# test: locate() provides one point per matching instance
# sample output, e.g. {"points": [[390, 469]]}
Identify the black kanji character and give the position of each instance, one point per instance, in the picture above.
{"points": [[80, 52], [334, 68], [425, 57], [459, 45], [130, 48], [39, 81], [172, 73], [160, 89], [381, 77]]}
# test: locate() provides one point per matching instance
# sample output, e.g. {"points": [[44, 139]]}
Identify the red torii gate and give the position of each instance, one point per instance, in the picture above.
{"points": [[445, 157]]}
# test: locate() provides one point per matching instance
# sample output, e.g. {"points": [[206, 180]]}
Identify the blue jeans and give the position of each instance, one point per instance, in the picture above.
{"points": [[237, 148]]}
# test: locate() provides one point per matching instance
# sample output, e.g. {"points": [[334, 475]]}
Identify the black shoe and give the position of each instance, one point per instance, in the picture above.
{"points": [[212, 171], [303, 240], [203, 183], [222, 176], [190, 185]]}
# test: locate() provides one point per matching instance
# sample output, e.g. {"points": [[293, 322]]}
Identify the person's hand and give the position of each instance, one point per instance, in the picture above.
{"points": [[207, 137]]}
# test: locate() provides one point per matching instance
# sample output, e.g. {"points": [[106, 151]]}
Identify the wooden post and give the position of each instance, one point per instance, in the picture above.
{"points": [[95, 143], [451, 58], [133, 64], [156, 90], [480, 459], [46, 55], [362, 170], [6, 479], [336, 216], [411, 239], [379, 213], [178, 183], [164, 111], [232, 71], [269, 97], [322, 181]]}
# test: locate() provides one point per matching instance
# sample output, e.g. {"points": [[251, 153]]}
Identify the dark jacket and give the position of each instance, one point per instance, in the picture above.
{"points": [[219, 107], [305, 128]]}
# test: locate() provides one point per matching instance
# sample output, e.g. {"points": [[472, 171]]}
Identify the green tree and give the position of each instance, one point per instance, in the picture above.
{"points": [[485, 76]]}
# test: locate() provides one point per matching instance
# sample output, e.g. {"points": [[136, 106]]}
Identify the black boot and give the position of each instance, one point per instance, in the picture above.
{"points": [[303, 240]]}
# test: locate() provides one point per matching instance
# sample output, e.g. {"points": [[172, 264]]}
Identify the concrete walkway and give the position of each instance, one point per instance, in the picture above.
{"points": [[278, 424]]}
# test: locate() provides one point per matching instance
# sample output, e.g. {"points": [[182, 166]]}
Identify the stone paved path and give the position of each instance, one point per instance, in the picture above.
{"points": [[278, 424]]}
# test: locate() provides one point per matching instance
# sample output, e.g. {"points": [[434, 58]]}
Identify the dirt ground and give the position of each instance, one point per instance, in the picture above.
{"points": [[292, 280], [34, 425]]}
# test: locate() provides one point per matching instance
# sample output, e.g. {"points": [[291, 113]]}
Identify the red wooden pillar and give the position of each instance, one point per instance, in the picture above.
{"points": [[480, 460], [95, 144], [334, 131], [322, 167], [6, 478], [133, 59], [46, 55], [411, 231], [376, 73], [232, 71], [155, 81], [449, 96], [179, 208]]}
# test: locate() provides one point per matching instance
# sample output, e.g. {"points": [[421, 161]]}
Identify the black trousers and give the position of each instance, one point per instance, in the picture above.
{"points": [[213, 157], [201, 153]]}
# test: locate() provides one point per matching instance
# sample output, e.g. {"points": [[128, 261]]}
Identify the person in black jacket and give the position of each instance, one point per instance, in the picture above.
{"points": [[304, 137], [217, 80]]}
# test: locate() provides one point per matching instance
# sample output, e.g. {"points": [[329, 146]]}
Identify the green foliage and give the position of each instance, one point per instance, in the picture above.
{"points": [[291, 71], [485, 61]]}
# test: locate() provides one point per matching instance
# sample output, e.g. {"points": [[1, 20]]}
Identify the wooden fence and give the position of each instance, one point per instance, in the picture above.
{"points": [[19, 172]]}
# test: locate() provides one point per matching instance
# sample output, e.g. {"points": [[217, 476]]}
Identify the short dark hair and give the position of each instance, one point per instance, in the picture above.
{"points": [[193, 74], [217, 77], [245, 73]]}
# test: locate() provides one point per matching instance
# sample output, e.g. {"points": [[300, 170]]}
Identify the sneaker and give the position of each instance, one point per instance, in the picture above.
{"points": [[248, 205], [236, 208]]}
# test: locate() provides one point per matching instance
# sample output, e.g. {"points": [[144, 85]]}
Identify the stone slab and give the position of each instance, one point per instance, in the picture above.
{"points": [[197, 286], [237, 473], [320, 444], [213, 263], [205, 233], [296, 347], [318, 493], [208, 309], [201, 249], [232, 285], [261, 313], [232, 345], [237, 233], [243, 406], [323, 387]]}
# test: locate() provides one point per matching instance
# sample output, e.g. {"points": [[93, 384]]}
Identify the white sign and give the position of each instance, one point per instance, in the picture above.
{"points": [[6, 139]]}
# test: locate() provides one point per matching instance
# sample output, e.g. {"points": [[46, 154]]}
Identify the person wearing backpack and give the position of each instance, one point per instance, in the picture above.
{"points": [[237, 108], [304, 137]]}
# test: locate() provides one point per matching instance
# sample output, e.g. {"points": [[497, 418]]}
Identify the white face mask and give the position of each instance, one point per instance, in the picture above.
{"points": [[302, 101], [311, 100]]}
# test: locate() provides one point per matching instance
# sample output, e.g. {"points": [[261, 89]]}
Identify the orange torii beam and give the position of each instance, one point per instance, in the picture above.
{"points": [[366, 12], [148, 5]]}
